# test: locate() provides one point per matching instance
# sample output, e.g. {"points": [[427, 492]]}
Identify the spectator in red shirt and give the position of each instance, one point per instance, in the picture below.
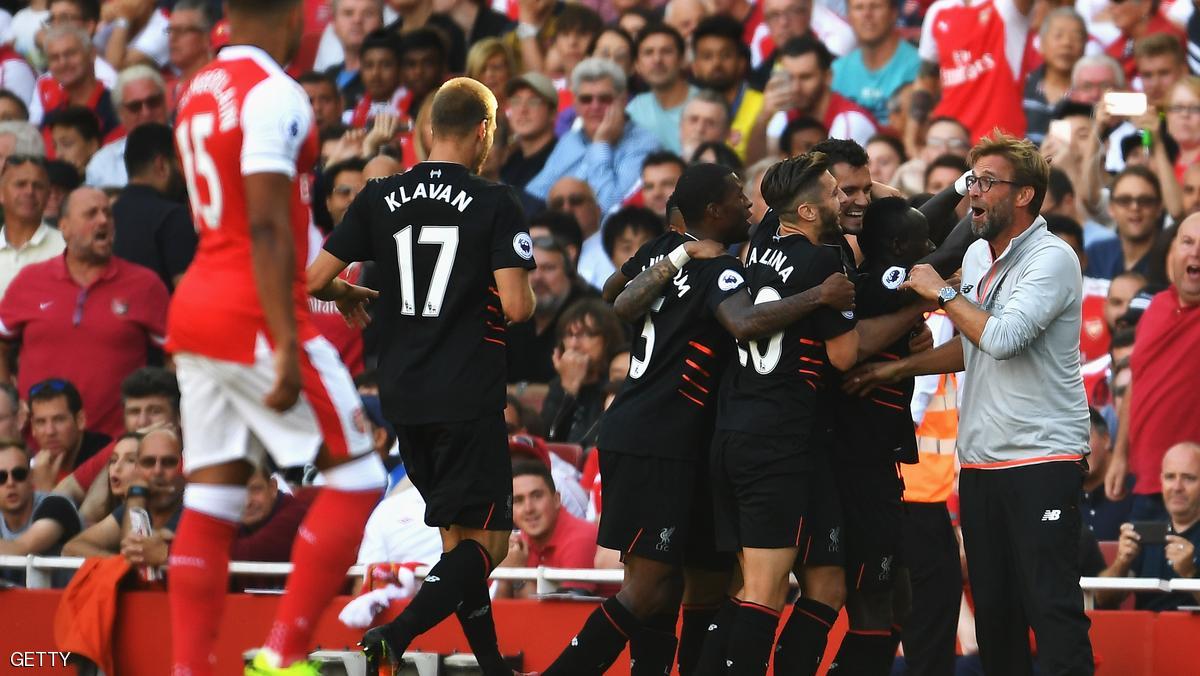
{"points": [[72, 80], [57, 422], [546, 535], [149, 398], [1136, 19], [104, 312], [1158, 410], [804, 88], [269, 524]]}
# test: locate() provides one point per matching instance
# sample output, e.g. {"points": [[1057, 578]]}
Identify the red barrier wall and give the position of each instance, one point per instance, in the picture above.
{"points": [[1127, 643]]}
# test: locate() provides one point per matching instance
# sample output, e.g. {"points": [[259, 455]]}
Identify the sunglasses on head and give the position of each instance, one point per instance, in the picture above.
{"points": [[52, 385], [19, 474], [149, 103], [149, 462], [18, 159]]}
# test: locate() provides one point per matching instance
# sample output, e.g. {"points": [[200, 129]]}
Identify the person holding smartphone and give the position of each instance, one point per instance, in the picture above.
{"points": [[1163, 549]]}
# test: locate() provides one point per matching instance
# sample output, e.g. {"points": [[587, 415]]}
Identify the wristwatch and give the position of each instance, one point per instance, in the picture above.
{"points": [[945, 295]]}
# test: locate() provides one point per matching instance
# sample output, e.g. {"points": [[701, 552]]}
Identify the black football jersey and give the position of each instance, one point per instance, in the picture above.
{"points": [[667, 404], [878, 427], [773, 389], [437, 233]]}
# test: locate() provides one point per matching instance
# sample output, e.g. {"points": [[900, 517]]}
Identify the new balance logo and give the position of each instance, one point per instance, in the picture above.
{"points": [[1052, 515]]}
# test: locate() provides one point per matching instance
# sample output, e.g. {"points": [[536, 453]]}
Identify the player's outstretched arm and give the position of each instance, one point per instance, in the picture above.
{"points": [[613, 286], [746, 321], [516, 296], [843, 350], [945, 358], [638, 295], [322, 277], [273, 257]]}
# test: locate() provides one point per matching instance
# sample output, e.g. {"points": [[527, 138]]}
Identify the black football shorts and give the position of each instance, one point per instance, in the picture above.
{"points": [[822, 541], [463, 471], [659, 509], [873, 516], [761, 490]]}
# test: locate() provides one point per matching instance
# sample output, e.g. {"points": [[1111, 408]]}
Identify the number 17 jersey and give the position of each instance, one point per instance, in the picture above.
{"points": [[437, 234]]}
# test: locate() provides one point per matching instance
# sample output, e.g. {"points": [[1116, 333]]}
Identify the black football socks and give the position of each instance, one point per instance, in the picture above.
{"points": [[751, 640], [865, 653], [802, 641], [716, 640], [441, 593], [696, 620], [478, 625], [652, 649], [598, 643]]}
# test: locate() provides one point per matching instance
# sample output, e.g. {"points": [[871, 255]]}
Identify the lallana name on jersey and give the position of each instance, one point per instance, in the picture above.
{"points": [[431, 191], [773, 258]]}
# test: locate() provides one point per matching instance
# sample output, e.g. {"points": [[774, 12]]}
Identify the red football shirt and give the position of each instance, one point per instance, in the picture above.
{"points": [[979, 48], [1166, 369], [331, 324], [93, 336], [1121, 49], [571, 545], [1093, 334], [240, 115]]}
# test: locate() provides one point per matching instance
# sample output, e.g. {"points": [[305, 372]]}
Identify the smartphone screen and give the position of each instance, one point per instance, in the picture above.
{"points": [[1125, 104], [1151, 532]]}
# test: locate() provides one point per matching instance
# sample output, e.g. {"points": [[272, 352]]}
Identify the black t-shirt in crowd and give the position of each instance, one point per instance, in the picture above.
{"points": [[437, 233], [878, 427], [666, 406], [154, 232], [773, 390]]}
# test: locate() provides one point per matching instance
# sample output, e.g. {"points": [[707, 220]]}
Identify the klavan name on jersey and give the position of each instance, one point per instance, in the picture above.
{"points": [[430, 191], [773, 258]]}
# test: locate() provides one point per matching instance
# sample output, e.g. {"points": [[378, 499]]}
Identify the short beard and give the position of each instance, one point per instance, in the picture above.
{"points": [[831, 226], [999, 218], [549, 304]]}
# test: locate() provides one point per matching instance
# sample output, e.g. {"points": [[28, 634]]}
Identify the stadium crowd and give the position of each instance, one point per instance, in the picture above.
{"points": [[604, 105]]}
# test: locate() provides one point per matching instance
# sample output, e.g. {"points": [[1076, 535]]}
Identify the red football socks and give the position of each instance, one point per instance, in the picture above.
{"points": [[197, 582], [325, 547]]}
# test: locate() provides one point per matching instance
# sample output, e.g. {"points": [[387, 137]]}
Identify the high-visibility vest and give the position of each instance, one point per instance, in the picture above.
{"points": [[932, 478]]}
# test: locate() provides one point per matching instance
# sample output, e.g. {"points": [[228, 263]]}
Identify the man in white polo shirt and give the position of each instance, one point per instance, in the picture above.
{"points": [[1024, 424], [24, 237]]}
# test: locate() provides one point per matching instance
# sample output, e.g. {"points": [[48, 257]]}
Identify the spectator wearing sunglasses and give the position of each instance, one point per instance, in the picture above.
{"points": [[57, 422], [19, 138], [607, 150], [153, 223], [25, 238], [31, 521], [86, 316], [157, 487], [140, 98]]}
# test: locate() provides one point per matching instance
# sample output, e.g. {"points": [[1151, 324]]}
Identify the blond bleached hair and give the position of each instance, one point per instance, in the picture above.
{"points": [[460, 105]]}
